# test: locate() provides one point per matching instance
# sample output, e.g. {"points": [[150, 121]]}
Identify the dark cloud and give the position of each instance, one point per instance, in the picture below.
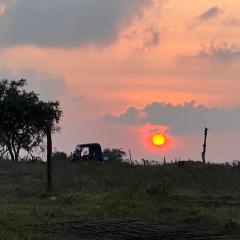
{"points": [[151, 39], [67, 23], [154, 38], [47, 86], [210, 13], [205, 16], [224, 52], [131, 116], [183, 118]]}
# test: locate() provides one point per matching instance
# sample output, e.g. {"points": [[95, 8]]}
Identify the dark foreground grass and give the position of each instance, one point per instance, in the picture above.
{"points": [[195, 196]]}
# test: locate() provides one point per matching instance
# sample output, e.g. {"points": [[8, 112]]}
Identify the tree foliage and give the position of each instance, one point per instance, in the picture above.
{"points": [[114, 154], [59, 156], [24, 118]]}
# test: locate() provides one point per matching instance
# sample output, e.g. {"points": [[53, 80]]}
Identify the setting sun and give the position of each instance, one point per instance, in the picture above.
{"points": [[158, 139]]}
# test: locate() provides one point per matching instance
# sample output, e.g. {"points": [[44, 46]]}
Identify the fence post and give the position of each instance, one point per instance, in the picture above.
{"points": [[130, 156], [49, 159], [204, 146]]}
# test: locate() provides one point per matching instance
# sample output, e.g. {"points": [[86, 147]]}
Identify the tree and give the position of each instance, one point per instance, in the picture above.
{"points": [[60, 156], [115, 154], [25, 120], [49, 115]]}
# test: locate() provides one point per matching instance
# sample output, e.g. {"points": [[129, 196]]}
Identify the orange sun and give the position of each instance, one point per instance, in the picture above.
{"points": [[158, 139]]}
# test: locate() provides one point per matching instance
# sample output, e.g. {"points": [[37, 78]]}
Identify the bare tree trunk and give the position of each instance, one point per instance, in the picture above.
{"points": [[204, 145], [10, 150], [49, 159]]}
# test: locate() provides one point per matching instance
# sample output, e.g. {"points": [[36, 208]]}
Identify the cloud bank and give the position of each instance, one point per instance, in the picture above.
{"points": [[65, 23], [224, 52], [184, 118]]}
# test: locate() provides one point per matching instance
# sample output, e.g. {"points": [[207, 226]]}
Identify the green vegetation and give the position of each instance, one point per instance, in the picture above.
{"points": [[24, 119], [114, 154], [193, 196]]}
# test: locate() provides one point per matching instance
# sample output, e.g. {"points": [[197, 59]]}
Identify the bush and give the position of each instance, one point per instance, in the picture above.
{"points": [[114, 154], [60, 156]]}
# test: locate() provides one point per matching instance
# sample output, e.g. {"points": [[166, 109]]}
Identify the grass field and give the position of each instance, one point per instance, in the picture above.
{"points": [[202, 197]]}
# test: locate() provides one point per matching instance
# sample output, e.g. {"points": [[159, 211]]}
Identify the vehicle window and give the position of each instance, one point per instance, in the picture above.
{"points": [[85, 151]]}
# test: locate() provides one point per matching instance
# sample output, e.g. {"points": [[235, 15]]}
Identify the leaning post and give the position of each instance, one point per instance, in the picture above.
{"points": [[204, 146]]}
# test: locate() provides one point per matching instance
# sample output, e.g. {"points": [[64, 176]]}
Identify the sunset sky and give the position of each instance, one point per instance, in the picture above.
{"points": [[124, 70]]}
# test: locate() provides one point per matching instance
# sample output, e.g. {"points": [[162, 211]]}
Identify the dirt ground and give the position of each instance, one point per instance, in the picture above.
{"points": [[127, 230]]}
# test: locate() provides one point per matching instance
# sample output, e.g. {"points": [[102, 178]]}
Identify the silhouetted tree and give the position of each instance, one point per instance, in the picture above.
{"points": [[59, 156], [24, 119], [114, 154]]}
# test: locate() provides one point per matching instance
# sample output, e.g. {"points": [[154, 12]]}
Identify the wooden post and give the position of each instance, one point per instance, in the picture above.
{"points": [[164, 161], [130, 156], [204, 145], [49, 159]]}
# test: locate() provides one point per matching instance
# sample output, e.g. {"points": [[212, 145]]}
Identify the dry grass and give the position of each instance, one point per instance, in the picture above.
{"points": [[189, 196]]}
